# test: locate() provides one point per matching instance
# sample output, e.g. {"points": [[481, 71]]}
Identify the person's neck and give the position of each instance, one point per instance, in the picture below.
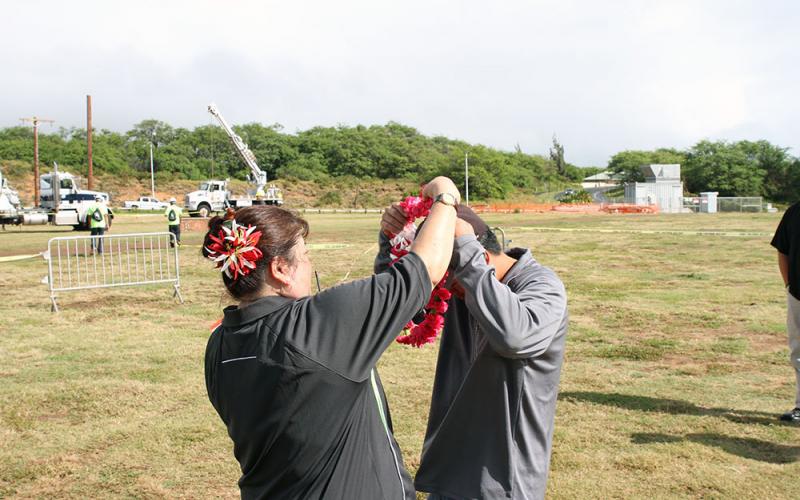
{"points": [[267, 292], [502, 263]]}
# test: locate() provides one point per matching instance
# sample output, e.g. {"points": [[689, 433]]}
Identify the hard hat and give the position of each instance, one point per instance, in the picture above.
{"points": [[172, 200], [98, 197]]}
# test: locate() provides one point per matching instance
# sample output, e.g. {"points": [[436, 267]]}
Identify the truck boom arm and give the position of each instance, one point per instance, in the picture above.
{"points": [[259, 176]]}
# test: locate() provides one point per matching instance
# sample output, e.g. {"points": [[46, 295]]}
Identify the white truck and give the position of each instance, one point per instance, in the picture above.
{"points": [[214, 196], [70, 210], [146, 203], [68, 185], [11, 211]]}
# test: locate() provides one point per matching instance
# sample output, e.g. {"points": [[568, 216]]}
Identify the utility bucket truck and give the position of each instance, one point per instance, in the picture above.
{"points": [[215, 196], [61, 201]]}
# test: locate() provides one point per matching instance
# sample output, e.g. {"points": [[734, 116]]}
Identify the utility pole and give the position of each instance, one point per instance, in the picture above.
{"points": [[35, 120], [89, 138], [466, 176], [152, 178]]}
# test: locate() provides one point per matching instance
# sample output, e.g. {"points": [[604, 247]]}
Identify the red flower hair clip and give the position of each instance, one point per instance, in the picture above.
{"points": [[234, 249]]}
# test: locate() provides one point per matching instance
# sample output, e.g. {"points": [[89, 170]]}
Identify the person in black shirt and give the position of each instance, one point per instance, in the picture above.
{"points": [[787, 242], [293, 376]]}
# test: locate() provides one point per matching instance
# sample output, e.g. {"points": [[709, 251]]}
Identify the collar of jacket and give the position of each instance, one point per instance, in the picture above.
{"points": [[235, 317], [523, 257]]}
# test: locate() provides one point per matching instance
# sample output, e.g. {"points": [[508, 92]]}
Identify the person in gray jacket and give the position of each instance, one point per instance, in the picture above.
{"points": [[490, 427]]}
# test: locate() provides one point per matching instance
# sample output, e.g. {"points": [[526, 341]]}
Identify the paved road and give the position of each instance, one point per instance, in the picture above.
{"points": [[599, 193]]}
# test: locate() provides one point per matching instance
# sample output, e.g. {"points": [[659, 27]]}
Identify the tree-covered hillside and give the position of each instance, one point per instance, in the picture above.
{"points": [[391, 151]]}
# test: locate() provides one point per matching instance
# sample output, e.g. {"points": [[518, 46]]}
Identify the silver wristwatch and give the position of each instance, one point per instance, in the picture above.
{"points": [[446, 199]]}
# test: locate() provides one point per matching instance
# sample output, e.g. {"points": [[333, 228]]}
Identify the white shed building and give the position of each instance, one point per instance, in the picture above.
{"points": [[662, 187]]}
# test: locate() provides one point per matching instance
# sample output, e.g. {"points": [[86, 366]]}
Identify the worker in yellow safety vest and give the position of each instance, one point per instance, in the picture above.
{"points": [[97, 215], [260, 195], [173, 215]]}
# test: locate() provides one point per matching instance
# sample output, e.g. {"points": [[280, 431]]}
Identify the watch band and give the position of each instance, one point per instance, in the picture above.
{"points": [[446, 199]]}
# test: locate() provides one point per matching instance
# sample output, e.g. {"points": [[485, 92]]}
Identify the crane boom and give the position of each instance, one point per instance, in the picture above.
{"points": [[258, 175]]}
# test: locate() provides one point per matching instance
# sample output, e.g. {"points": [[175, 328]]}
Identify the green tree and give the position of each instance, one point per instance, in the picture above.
{"points": [[628, 163], [213, 154], [792, 186], [108, 153], [557, 156], [305, 168], [141, 137], [723, 167], [272, 149], [775, 163]]}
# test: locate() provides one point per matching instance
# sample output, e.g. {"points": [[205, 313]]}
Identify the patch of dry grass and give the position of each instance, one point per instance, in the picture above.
{"points": [[676, 365]]}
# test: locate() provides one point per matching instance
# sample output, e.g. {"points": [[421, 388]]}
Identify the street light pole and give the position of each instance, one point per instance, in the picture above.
{"points": [[152, 178], [466, 176], [89, 140]]}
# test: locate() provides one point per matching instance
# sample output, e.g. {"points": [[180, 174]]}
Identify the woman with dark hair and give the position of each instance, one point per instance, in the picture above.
{"points": [[293, 375]]}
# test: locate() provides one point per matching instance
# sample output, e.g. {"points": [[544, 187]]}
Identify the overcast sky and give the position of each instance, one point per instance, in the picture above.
{"points": [[604, 76]]}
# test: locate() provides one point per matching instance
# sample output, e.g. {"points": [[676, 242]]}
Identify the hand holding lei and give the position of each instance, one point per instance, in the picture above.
{"points": [[425, 332]]}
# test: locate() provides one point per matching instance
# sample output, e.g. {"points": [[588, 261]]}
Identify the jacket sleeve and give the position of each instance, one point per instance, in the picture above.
{"points": [[211, 364], [383, 258], [348, 327], [781, 238], [519, 324]]}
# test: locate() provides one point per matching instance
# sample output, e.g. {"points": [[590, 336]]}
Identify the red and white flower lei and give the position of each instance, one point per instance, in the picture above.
{"points": [[234, 249], [430, 327]]}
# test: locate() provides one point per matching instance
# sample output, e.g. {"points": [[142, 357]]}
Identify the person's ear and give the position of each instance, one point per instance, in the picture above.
{"points": [[486, 256], [281, 270]]}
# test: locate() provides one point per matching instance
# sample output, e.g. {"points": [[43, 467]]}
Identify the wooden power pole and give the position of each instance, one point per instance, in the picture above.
{"points": [[35, 120], [89, 138]]}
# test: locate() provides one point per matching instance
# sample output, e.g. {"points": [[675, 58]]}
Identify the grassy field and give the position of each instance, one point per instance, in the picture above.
{"points": [[675, 371]]}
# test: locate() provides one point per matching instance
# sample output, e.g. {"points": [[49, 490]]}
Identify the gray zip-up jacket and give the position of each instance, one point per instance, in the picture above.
{"points": [[490, 426]]}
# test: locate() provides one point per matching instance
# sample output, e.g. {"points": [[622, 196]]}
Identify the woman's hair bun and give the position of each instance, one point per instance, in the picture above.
{"points": [[214, 226]]}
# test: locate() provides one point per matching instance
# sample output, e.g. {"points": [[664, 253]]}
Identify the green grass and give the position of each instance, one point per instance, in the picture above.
{"points": [[676, 364]]}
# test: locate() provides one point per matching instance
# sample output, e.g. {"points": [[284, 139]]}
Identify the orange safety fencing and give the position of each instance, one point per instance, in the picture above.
{"points": [[512, 207], [578, 208], [629, 208]]}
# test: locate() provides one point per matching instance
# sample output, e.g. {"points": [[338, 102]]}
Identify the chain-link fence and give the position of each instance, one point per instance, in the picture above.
{"points": [[740, 204]]}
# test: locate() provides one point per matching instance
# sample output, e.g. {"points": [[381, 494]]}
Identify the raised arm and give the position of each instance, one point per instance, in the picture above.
{"points": [[517, 325], [377, 308], [431, 244], [383, 258], [434, 241]]}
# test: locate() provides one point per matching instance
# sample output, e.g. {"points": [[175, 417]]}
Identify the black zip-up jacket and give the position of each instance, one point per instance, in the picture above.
{"points": [[295, 383]]}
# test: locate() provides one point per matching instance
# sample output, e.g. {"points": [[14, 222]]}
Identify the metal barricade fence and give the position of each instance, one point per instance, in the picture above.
{"points": [[86, 262]]}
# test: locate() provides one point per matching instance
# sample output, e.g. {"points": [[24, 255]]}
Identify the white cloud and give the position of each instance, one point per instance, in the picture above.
{"points": [[604, 76]]}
